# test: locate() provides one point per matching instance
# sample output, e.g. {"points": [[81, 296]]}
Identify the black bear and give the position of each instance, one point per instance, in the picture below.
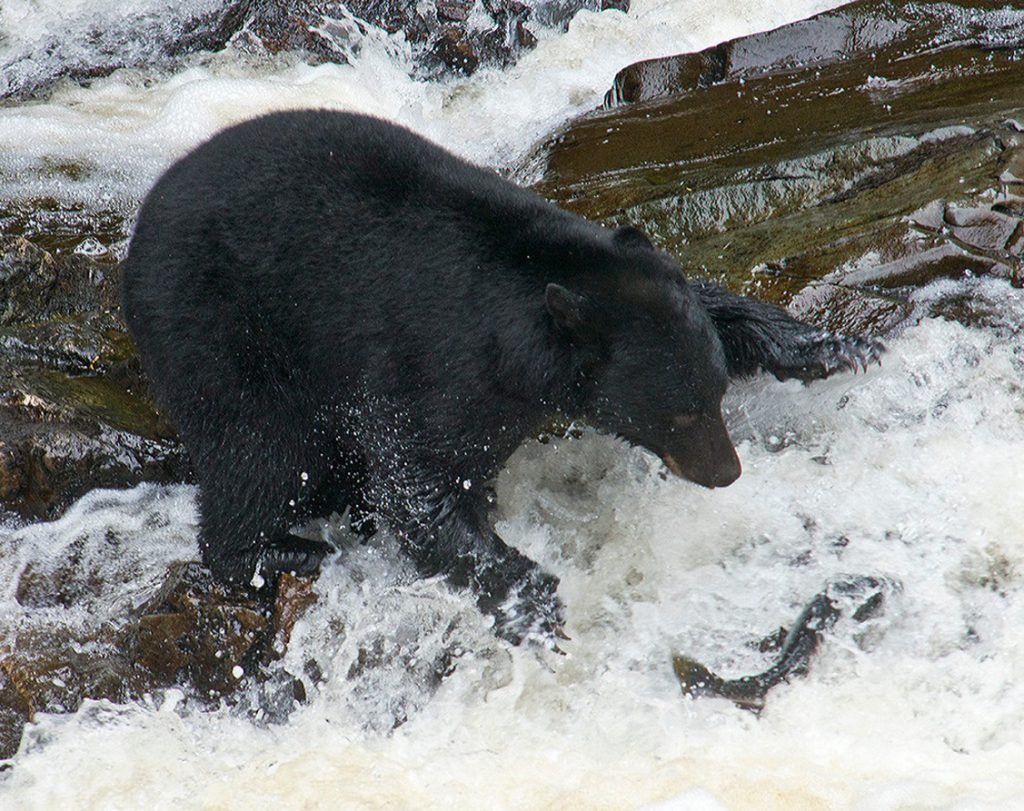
{"points": [[340, 314]]}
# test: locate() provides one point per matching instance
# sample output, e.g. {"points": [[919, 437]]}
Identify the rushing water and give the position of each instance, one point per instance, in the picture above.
{"points": [[910, 472]]}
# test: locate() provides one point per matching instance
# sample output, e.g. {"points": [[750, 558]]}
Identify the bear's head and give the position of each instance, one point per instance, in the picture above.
{"points": [[654, 365]]}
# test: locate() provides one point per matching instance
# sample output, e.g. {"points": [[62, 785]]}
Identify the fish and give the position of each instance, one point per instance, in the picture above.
{"points": [[862, 597]]}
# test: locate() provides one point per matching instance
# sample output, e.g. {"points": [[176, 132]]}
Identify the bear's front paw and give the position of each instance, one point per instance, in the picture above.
{"points": [[298, 556], [531, 611], [824, 354]]}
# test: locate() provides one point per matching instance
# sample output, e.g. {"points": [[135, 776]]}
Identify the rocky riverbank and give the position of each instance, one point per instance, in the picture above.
{"points": [[75, 412], [834, 164]]}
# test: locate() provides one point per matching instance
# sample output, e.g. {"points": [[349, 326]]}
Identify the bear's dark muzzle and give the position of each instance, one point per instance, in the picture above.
{"points": [[702, 452]]}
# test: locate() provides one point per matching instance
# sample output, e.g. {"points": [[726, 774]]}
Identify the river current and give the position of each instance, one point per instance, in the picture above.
{"points": [[909, 472]]}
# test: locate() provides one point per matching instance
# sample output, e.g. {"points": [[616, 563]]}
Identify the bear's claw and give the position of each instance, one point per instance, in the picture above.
{"points": [[824, 354], [532, 612], [299, 556]]}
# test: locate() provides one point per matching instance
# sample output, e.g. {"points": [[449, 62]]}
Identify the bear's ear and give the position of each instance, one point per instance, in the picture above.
{"points": [[570, 310], [630, 237]]}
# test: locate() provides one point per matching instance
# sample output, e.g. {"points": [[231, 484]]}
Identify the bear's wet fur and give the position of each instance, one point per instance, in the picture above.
{"points": [[340, 314]]}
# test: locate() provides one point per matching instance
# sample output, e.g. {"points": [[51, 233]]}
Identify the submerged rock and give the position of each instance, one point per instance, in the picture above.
{"points": [[194, 633], [444, 36], [792, 164]]}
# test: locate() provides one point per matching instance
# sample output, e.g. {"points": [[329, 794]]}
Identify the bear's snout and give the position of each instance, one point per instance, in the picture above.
{"points": [[702, 452]]}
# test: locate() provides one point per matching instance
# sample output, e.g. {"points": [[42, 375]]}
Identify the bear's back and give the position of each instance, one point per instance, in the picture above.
{"points": [[303, 239], [310, 192]]}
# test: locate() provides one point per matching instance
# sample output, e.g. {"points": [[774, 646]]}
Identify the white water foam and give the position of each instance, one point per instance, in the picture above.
{"points": [[43, 39], [908, 472]]}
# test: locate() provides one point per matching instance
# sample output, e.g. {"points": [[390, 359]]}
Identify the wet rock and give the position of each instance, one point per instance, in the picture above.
{"points": [[210, 31], [1013, 174], [453, 50], [982, 228], [559, 13], [918, 269], [382, 654], [882, 31], [463, 49], [200, 634], [72, 229], [837, 308], [15, 711], [331, 31], [193, 633], [47, 673], [295, 596], [454, 10], [75, 411], [34, 285], [1015, 245], [96, 45], [525, 35], [446, 35], [861, 153], [930, 217]]}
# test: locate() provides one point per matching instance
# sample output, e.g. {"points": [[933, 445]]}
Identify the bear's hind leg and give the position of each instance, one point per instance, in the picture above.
{"points": [[242, 538], [249, 498]]}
